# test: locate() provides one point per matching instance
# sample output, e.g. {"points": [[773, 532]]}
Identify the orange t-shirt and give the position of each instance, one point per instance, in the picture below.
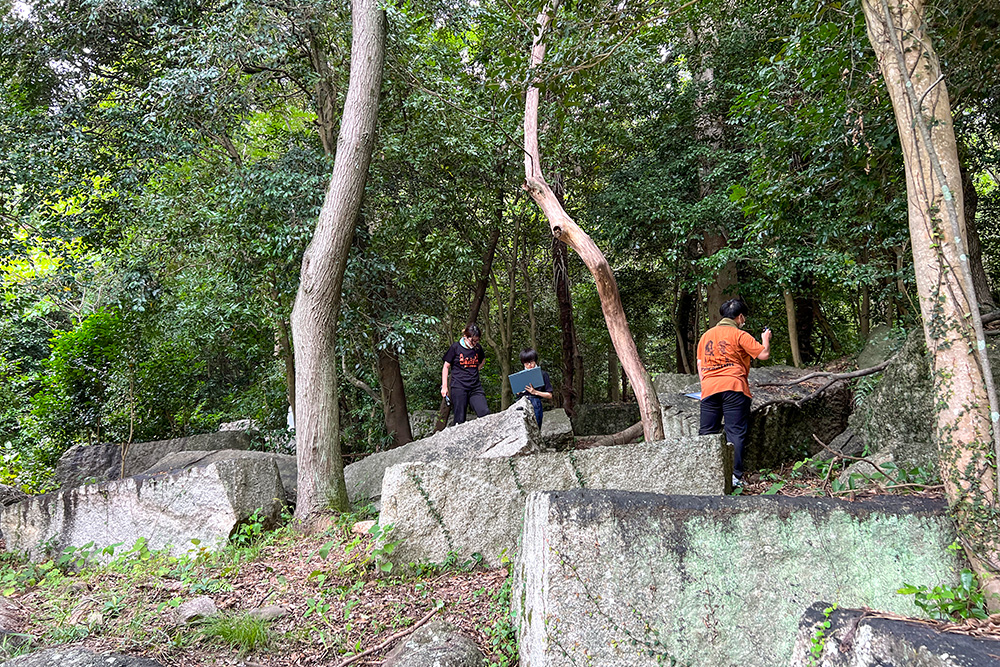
{"points": [[724, 356]]}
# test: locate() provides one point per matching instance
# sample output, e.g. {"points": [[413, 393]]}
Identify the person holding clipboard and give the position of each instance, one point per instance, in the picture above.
{"points": [[535, 395], [466, 357]]}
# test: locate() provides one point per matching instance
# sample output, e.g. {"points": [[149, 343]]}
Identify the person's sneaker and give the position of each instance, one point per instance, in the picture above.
{"points": [[737, 481]]}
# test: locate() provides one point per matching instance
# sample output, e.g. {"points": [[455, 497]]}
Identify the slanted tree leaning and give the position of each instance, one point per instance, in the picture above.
{"points": [[952, 327], [317, 304], [565, 229]]}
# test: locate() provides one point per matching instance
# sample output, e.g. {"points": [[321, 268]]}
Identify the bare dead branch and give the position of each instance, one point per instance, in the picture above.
{"points": [[390, 640], [834, 376]]}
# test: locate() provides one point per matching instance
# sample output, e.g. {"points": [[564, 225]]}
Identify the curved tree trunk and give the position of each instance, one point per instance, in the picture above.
{"points": [[317, 304], [565, 229], [952, 326]]}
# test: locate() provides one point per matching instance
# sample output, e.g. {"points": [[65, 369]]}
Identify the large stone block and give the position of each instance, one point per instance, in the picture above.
{"points": [[618, 579], [675, 383], [557, 430], [512, 432], [85, 464], [476, 506], [604, 418], [856, 639], [204, 503], [288, 466]]}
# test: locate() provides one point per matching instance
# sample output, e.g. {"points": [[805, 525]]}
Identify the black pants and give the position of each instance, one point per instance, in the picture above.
{"points": [[461, 399], [734, 407]]}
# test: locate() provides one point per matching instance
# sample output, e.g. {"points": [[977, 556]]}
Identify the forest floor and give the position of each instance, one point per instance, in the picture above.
{"points": [[336, 608]]}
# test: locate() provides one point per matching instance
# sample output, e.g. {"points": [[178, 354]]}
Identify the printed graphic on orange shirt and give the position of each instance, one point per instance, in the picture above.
{"points": [[715, 355]]}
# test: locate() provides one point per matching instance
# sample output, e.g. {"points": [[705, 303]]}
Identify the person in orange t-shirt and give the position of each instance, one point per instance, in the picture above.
{"points": [[724, 356]]}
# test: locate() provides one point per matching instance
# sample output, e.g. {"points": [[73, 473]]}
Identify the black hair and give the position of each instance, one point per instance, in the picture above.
{"points": [[471, 331], [529, 354], [733, 309]]}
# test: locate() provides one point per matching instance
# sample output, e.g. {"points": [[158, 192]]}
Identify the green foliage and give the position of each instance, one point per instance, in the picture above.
{"points": [[502, 635], [945, 603], [818, 640]]}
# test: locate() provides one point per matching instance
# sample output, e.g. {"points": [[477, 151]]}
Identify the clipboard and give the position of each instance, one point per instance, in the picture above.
{"points": [[521, 379]]}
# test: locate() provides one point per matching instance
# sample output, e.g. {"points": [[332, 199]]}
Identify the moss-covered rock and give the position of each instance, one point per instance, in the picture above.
{"points": [[897, 415]]}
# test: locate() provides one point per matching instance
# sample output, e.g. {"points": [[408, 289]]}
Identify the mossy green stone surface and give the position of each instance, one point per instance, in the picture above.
{"points": [[609, 578]]}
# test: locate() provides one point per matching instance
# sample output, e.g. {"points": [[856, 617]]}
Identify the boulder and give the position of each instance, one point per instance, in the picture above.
{"points": [[202, 503], [860, 474], [847, 443], [194, 610], [10, 495], [88, 464], [476, 506], [437, 644], [557, 430], [512, 432], [628, 579], [897, 415], [883, 341], [287, 465], [856, 639], [604, 418], [77, 657], [248, 425]]}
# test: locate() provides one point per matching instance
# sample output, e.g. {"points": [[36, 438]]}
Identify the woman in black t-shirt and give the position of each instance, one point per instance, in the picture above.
{"points": [[466, 357]]}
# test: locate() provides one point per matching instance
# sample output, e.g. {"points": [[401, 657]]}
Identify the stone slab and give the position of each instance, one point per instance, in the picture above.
{"points": [[512, 432], [856, 640], [288, 466], [476, 506], [626, 579], [557, 430], [604, 418], [204, 503], [87, 464]]}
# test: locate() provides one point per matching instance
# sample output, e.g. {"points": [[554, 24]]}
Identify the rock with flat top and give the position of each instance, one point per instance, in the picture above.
{"points": [[513, 432], [93, 464]]}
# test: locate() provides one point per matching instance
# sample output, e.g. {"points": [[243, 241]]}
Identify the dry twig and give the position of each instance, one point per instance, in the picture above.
{"points": [[391, 639]]}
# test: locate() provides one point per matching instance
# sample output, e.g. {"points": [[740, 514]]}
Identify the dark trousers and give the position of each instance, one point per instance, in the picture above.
{"points": [[536, 403], [461, 399], [734, 408]]}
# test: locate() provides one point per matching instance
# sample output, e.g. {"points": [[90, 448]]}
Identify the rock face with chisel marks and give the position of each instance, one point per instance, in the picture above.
{"points": [[476, 506], [205, 504], [512, 432]]}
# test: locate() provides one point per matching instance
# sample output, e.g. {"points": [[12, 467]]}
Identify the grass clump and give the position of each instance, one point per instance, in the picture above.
{"points": [[242, 632]]}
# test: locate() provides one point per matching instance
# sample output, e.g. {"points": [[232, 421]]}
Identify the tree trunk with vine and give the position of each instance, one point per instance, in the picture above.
{"points": [[952, 327]]}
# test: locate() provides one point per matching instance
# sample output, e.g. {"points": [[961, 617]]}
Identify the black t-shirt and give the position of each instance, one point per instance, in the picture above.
{"points": [[546, 386], [465, 365]]}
